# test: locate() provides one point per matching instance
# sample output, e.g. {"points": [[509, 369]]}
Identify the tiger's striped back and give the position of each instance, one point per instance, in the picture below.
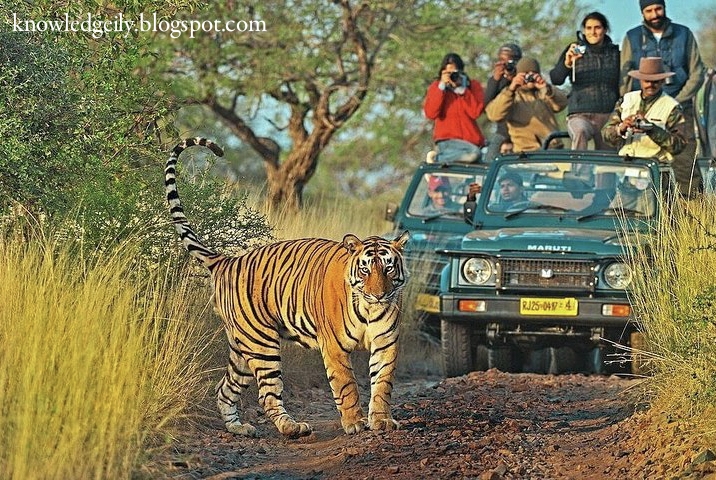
{"points": [[333, 296]]}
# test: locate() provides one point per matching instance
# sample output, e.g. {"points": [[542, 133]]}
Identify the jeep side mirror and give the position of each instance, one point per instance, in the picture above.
{"points": [[391, 209]]}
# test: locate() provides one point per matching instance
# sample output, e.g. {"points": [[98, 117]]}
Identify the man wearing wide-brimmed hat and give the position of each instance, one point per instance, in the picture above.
{"points": [[676, 44], [647, 122]]}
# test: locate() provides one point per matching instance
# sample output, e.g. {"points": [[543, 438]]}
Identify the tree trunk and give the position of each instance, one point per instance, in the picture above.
{"points": [[287, 179]]}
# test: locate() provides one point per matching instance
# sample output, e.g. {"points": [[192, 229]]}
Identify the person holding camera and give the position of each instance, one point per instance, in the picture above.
{"points": [[592, 64], [503, 72], [528, 106], [647, 122], [454, 102], [658, 36]]}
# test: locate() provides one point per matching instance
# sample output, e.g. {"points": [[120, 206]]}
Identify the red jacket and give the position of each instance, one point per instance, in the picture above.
{"points": [[455, 115]]}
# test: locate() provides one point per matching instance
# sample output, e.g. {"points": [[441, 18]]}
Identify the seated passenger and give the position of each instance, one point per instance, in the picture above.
{"points": [[635, 194], [605, 185], [512, 192], [439, 200]]}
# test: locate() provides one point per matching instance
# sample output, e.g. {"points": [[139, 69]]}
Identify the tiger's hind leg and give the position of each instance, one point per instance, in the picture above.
{"points": [[265, 362], [228, 392]]}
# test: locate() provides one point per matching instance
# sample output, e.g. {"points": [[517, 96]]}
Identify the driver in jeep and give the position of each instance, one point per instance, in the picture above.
{"points": [[512, 192]]}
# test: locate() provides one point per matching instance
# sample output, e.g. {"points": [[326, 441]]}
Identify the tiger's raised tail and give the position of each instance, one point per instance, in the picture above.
{"points": [[188, 237]]}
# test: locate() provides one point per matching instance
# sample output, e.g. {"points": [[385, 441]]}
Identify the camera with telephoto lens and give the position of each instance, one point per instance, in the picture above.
{"points": [[643, 124], [530, 77], [579, 49], [455, 77], [511, 67]]}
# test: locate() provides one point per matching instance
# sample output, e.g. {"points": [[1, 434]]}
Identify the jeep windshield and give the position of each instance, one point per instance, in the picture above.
{"points": [[442, 195], [580, 189]]}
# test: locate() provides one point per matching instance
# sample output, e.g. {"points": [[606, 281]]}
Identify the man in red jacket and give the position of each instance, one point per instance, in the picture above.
{"points": [[454, 102]]}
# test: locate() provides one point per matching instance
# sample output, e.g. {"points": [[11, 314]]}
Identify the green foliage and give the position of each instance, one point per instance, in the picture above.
{"points": [[221, 217], [79, 124], [391, 132], [257, 74], [82, 130]]}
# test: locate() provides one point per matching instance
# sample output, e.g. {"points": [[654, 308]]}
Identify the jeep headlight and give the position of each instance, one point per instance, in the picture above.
{"points": [[618, 275], [477, 271]]}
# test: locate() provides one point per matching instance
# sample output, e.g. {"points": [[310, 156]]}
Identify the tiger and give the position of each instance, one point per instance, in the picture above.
{"points": [[332, 296]]}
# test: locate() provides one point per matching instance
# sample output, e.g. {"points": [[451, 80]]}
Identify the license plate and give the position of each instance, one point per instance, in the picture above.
{"points": [[562, 307], [427, 303]]}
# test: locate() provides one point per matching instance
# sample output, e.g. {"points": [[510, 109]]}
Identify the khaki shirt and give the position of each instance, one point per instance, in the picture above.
{"points": [[529, 114]]}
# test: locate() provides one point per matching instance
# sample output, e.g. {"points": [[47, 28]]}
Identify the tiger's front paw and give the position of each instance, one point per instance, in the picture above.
{"points": [[295, 429], [355, 427], [243, 429], [383, 423]]}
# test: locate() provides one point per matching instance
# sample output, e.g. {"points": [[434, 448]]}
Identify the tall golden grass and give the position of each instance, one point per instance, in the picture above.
{"points": [[101, 361], [327, 217], [674, 298], [96, 361]]}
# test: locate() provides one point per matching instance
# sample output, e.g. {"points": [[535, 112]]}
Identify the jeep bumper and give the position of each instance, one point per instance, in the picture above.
{"points": [[533, 310]]}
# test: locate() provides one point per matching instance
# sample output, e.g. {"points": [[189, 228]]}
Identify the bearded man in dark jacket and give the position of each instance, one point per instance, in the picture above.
{"points": [[658, 36]]}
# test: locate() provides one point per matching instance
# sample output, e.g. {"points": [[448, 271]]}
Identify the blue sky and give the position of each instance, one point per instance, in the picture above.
{"points": [[625, 14]]}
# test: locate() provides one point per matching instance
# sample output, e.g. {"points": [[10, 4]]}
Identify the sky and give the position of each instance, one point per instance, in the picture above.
{"points": [[625, 14]]}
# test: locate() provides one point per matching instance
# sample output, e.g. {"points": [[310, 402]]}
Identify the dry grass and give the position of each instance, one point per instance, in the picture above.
{"points": [[96, 363], [675, 301], [101, 364], [328, 218]]}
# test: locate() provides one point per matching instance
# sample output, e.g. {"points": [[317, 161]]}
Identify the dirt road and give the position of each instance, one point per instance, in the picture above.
{"points": [[487, 425]]}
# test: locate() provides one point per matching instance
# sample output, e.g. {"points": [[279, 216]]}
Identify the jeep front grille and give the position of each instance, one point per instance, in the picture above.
{"points": [[519, 273]]}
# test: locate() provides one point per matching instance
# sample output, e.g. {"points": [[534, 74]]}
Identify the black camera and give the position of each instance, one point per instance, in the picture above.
{"points": [[455, 77], [643, 124], [530, 77], [511, 67]]}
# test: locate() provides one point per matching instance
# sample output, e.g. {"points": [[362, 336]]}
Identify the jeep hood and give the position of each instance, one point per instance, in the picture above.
{"points": [[431, 241], [573, 240]]}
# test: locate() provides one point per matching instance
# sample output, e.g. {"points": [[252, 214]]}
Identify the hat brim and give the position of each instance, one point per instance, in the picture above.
{"points": [[650, 76]]}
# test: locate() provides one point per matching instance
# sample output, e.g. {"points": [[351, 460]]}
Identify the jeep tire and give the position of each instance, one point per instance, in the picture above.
{"points": [[456, 347]]}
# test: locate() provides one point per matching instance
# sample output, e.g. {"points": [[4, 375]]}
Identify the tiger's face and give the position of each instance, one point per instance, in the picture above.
{"points": [[377, 271]]}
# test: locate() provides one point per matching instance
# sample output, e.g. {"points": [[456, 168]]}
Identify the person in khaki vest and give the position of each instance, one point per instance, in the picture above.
{"points": [[647, 122]]}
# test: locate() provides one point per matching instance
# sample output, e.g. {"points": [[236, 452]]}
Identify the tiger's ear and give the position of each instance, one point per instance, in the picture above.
{"points": [[351, 242], [400, 241]]}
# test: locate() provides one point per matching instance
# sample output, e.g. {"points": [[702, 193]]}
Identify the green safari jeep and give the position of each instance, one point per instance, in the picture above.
{"points": [[433, 227], [540, 284]]}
